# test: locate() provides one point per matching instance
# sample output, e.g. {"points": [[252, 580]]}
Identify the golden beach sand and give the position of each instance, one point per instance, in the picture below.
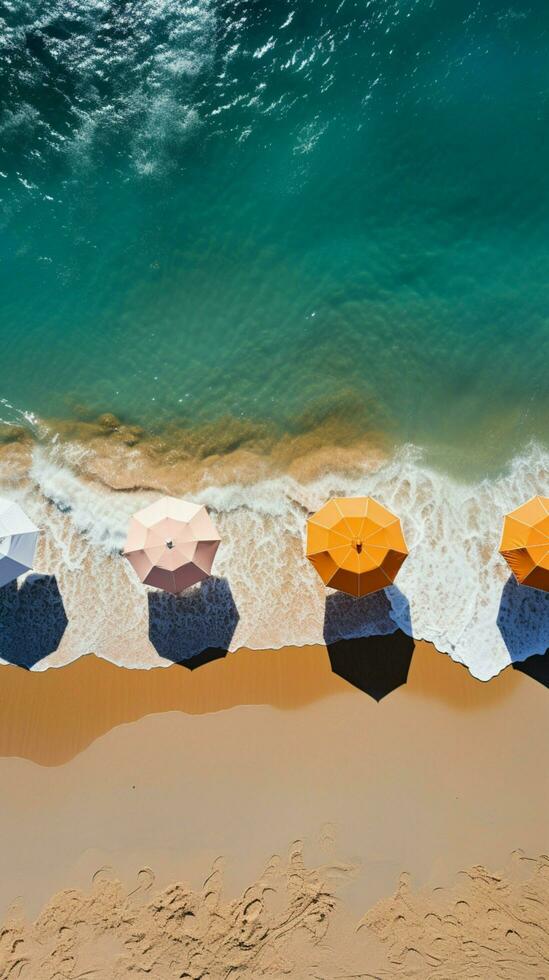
{"points": [[261, 817]]}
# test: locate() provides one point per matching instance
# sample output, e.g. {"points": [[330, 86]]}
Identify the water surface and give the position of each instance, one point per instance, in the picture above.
{"points": [[279, 212]]}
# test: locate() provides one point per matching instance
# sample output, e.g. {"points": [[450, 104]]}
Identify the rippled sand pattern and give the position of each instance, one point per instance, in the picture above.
{"points": [[111, 932], [290, 922], [486, 926]]}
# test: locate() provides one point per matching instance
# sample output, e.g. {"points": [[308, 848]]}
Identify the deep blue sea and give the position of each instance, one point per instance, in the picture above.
{"points": [[279, 212]]}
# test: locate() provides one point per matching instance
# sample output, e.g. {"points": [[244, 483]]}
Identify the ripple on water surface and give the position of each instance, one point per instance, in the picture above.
{"points": [[259, 210]]}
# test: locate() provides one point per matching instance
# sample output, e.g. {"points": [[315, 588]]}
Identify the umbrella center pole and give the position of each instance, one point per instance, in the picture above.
{"points": [[169, 543], [358, 545]]}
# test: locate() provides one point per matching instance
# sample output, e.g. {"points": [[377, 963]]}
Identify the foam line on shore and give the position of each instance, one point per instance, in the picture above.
{"points": [[454, 590]]}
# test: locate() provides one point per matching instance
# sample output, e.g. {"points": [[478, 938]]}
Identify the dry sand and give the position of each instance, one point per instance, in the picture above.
{"points": [[289, 923], [295, 827]]}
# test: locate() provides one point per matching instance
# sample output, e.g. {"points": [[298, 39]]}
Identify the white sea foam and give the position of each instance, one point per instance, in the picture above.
{"points": [[454, 589]]}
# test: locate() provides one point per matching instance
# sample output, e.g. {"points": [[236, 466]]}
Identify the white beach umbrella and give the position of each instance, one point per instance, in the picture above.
{"points": [[18, 537]]}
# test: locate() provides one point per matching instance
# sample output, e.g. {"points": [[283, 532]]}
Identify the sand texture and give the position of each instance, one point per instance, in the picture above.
{"points": [[486, 926], [51, 716], [107, 767], [158, 808], [289, 923]]}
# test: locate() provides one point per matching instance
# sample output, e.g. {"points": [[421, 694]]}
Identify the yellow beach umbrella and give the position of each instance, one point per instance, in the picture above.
{"points": [[355, 544], [525, 543]]}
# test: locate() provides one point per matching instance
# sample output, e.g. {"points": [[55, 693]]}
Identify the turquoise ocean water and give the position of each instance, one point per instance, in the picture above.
{"points": [[278, 217], [279, 212]]}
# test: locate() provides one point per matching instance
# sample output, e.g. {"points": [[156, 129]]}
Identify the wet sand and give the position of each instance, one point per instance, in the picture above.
{"points": [[228, 765], [51, 716], [123, 456]]}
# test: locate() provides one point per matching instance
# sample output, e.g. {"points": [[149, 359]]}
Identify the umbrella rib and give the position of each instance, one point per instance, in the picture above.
{"points": [[522, 544], [537, 564], [384, 527], [330, 531], [518, 520], [327, 550], [337, 561], [530, 527], [343, 518], [339, 567], [388, 577]]}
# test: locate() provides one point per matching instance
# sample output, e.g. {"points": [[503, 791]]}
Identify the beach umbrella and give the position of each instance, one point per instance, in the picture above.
{"points": [[172, 544], [18, 537], [355, 544], [525, 543]]}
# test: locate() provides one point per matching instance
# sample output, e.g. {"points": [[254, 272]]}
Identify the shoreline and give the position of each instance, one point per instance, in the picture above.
{"points": [[454, 590], [70, 707], [123, 456]]}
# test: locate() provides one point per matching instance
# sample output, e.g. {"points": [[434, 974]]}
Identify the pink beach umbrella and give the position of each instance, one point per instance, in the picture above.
{"points": [[172, 544]]}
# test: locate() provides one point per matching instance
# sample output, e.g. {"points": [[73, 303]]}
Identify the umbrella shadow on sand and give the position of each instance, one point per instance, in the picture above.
{"points": [[32, 620], [195, 627], [365, 645], [523, 621]]}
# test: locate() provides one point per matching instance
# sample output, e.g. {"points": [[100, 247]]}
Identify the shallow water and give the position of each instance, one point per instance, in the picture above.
{"points": [[279, 212]]}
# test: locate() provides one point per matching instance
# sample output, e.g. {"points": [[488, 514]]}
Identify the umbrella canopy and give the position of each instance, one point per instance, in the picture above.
{"points": [[18, 537], [525, 543], [172, 544], [355, 544]]}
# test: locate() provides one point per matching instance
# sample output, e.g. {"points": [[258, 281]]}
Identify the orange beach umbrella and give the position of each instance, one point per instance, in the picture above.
{"points": [[355, 544], [525, 543]]}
